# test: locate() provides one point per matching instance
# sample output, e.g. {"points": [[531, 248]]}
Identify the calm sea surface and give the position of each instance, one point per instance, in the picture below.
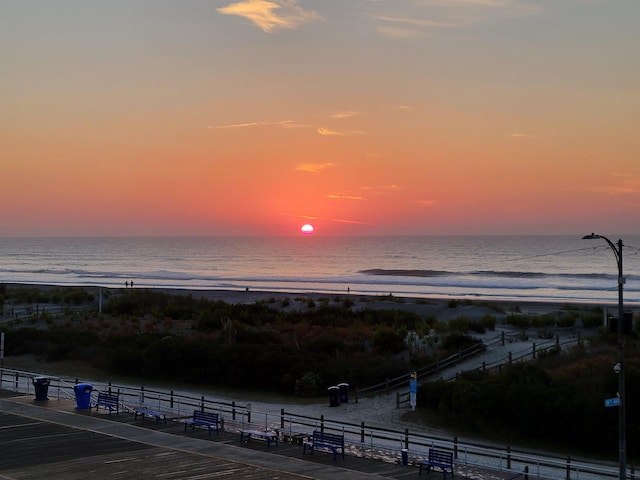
{"points": [[539, 268]]}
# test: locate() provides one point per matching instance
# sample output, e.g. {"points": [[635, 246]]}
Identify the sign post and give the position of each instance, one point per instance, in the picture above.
{"points": [[413, 390]]}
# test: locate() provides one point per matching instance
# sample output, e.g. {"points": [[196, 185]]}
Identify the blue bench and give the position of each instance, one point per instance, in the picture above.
{"points": [[109, 401], [144, 411], [204, 419], [438, 459], [264, 434], [330, 441]]}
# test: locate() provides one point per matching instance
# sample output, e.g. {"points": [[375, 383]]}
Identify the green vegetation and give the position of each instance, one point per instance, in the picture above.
{"points": [[151, 334], [558, 400], [304, 345]]}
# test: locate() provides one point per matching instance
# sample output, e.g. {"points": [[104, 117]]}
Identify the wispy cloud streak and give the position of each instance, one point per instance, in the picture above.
{"points": [[254, 124], [271, 15], [313, 167]]}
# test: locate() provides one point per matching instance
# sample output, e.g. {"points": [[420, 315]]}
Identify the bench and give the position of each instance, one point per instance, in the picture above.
{"points": [[144, 411], [330, 441], [204, 419], [264, 434], [109, 401], [439, 459]]}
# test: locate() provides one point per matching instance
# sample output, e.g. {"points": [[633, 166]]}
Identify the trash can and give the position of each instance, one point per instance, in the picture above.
{"points": [[405, 456], [83, 395], [41, 386], [344, 392], [334, 396]]}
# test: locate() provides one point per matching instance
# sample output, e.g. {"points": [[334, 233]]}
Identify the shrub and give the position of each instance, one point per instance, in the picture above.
{"points": [[489, 322], [308, 385]]}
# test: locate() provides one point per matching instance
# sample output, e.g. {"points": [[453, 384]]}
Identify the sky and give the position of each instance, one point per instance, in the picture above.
{"points": [[360, 117]]}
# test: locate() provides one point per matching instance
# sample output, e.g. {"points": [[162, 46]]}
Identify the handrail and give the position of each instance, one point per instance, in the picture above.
{"points": [[392, 384], [360, 439]]}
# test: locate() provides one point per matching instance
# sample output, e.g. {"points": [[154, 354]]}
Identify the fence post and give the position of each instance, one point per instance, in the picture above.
{"points": [[202, 403], [233, 409], [171, 400], [508, 457], [533, 353], [361, 432], [397, 399], [568, 467], [141, 394], [322, 423], [510, 358], [502, 338], [558, 341], [282, 418], [109, 390], [356, 394], [406, 438], [484, 366], [526, 472], [455, 447]]}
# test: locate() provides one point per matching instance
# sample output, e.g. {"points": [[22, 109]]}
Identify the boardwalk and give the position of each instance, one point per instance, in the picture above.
{"points": [[53, 440]]}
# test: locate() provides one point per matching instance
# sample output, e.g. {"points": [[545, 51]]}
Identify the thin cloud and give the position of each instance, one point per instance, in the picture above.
{"points": [[426, 15], [347, 114], [286, 123], [327, 132], [416, 22], [522, 135], [427, 203], [271, 15], [627, 185], [380, 189], [313, 167], [335, 196], [329, 219]]}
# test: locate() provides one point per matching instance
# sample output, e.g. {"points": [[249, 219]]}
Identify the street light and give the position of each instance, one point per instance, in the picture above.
{"points": [[619, 367]]}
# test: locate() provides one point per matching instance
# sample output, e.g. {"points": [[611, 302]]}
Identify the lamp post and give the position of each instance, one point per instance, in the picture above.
{"points": [[619, 367]]}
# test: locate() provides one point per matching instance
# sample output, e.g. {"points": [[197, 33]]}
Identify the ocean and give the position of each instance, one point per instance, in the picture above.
{"points": [[531, 268]]}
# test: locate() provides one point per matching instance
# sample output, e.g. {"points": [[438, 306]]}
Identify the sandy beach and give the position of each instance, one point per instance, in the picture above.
{"points": [[442, 309]]}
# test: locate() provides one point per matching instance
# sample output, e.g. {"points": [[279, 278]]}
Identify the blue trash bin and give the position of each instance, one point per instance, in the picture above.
{"points": [[41, 386], [83, 395]]}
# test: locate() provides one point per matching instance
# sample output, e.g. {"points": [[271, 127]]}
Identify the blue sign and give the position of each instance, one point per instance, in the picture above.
{"points": [[612, 402]]}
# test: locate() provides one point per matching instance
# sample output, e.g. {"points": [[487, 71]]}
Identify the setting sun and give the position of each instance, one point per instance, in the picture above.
{"points": [[307, 229]]}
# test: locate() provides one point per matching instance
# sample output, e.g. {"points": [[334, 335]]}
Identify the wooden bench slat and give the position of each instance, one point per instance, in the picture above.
{"points": [[206, 419], [110, 401], [439, 459], [331, 441]]}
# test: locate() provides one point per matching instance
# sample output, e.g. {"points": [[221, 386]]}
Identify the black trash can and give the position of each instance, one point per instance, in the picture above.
{"points": [[83, 395], [344, 392], [334, 396], [41, 386]]}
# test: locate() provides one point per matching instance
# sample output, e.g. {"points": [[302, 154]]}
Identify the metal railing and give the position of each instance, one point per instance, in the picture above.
{"points": [[361, 440]]}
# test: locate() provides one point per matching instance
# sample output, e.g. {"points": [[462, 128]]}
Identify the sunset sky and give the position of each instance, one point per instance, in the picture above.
{"points": [[360, 117]]}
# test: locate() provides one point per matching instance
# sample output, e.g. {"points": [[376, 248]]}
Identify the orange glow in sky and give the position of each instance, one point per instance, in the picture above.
{"points": [[248, 117]]}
